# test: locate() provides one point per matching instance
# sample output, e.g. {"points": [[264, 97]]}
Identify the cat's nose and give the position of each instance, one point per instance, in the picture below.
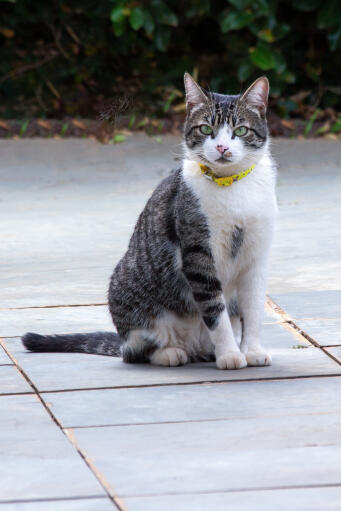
{"points": [[221, 148]]}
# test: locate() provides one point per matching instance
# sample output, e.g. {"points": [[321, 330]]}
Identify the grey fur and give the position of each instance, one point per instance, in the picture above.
{"points": [[169, 266], [237, 239]]}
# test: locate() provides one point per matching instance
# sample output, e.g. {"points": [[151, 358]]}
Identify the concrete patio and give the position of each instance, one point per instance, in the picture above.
{"points": [[86, 432]]}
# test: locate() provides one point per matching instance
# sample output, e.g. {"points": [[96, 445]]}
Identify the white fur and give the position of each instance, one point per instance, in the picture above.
{"points": [[251, 205]]}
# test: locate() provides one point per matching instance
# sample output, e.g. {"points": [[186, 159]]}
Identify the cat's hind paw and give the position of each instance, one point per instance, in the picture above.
{"points": [[169, 357], [231, 360], [258, 358]]}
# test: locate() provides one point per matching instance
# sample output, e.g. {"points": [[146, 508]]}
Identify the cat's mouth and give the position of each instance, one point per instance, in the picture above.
{"points": [[225, 158]]}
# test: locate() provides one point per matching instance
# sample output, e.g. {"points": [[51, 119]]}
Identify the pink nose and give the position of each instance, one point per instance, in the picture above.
{"points": [[221, 148]]}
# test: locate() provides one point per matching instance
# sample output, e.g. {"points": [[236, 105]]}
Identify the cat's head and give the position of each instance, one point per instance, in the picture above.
{"points": [[226, 132]]}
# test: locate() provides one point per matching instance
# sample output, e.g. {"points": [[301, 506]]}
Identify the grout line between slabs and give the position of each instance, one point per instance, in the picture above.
{"points": [[237, 490], [114, 499], [206, 382], [54, 306], [195, 421], [53, 499], [290, 325]]}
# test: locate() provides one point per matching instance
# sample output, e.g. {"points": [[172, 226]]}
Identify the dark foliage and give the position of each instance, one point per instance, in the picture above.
{"points": [[63, 58]]}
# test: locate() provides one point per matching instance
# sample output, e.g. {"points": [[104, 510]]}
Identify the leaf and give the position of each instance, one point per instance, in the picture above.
{"points": [[280, 63], [235, 20], [167, 17], [118, 139], [336, 127], [7, 32], [169, 101], [162, 39], [263, 58], [149, 24], [117, 14], [334, 38], [266, 35], [310, 123], [240, 4], [136, 18], [23, 127], [132, 120], [64, 129], [245, 70]]}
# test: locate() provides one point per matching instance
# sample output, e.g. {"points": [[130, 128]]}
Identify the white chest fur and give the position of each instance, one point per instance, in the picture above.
{"points": [[248, 205]]}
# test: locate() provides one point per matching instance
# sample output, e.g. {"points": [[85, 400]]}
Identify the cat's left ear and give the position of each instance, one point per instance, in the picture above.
{"points": [[257, 95]]}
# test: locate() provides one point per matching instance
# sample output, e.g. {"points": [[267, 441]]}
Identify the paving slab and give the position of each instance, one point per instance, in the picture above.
{"points": [[326, 332], [37, 460], [4, 358], [307, 305], [55, 320], [216, 456], [336, 352], [62, 371], [56, 283], [196, 402], [70, 205], [303, 499], [12, 382], [86, 504]]}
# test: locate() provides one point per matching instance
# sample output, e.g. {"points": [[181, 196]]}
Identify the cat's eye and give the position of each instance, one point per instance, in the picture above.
{"points": [[241, 131], [206, 129]]}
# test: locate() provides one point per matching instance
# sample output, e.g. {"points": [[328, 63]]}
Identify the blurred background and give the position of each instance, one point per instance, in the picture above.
{"points": [[107, 67]]}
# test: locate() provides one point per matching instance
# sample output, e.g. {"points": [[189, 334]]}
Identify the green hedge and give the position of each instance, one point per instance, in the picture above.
{"points": [[65, 58]]}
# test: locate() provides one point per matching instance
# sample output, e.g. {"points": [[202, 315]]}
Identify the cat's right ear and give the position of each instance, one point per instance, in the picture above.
{"points": [[194, 93]]}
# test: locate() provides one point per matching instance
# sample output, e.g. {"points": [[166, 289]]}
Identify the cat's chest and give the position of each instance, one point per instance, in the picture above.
{"points": [[240, 221]]}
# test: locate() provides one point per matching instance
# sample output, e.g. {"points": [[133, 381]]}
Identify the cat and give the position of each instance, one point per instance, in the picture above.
{"points": [[191, 286]]}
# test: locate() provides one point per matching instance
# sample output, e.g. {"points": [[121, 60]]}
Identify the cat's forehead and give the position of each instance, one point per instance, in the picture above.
{"points": [[218, 109]]}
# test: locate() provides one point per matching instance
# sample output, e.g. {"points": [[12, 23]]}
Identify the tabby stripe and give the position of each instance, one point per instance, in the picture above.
{"points": [[214, 310], [210, 322], [196, 249], [203, 297], [211, 283]]}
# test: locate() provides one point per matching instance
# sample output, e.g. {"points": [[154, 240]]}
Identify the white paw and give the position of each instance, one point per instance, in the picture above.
{"points": [[231, 360], [258, 358], [169, 357]]}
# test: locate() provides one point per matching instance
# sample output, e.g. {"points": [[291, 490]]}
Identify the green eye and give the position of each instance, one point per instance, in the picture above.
{"points": [[205, 129], [241, 131]]}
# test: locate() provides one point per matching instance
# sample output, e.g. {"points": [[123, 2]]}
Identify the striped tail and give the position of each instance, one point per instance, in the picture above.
{"points": [[99, 343]]}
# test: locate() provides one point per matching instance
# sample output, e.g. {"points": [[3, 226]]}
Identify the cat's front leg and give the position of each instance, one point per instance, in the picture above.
{"points": [[227, 353], [209, 298], [251, 297]]}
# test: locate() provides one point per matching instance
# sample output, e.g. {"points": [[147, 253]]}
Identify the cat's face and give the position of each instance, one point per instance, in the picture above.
{"points": [[226, 131]]}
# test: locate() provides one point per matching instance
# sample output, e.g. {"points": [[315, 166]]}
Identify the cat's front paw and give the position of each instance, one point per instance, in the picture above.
{"points": [[231, 360], [258, 358], [169, 357]]}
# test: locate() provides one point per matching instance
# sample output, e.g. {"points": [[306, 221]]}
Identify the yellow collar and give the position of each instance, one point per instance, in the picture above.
{"points": [[227, 180]]}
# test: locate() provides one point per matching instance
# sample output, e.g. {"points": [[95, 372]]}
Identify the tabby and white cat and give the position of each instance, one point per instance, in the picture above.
{"points": [[191, 285]]}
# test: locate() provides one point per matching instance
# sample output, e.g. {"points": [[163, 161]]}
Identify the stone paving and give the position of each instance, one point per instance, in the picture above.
{"points": [[85, 432]]}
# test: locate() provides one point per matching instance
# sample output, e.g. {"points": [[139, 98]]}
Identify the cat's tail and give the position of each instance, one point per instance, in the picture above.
{"points": [[99, 343]]}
